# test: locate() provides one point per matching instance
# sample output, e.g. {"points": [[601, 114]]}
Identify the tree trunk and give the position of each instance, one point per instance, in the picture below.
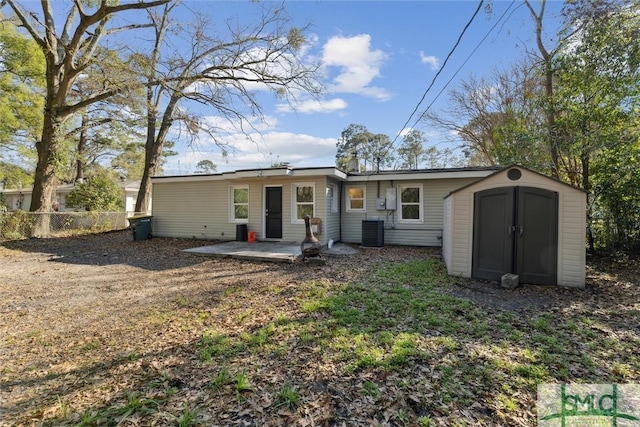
{"points": [[586, 186], [151, 155], [551, 120], [45, 170], [82, 146], [154, 145], [550, 112], [44, 179], [144, 194]]}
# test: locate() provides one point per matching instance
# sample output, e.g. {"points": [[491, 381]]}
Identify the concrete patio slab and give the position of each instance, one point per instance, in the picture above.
{"points": [[264, 251], [258, 251]]}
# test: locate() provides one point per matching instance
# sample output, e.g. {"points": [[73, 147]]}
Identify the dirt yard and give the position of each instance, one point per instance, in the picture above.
{"points": [[86, 322]]}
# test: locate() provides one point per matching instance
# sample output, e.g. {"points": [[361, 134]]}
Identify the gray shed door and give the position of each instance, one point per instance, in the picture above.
{"points": [[515, 230]]}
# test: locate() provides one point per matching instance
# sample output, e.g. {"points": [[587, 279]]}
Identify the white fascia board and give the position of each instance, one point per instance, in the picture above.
{"points": [[288, 172], [419, 176], [331, 172], [253, 174], [186, 178]]}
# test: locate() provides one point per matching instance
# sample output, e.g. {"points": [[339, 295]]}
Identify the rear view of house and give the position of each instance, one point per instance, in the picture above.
{"points": [[489, 220], [272, 203]]}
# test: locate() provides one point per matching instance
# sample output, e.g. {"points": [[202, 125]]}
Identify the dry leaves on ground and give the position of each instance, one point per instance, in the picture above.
{"points": [[100, 329]]}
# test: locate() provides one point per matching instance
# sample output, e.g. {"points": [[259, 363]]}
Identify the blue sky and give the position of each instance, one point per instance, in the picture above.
{"points": [[378, 59]]}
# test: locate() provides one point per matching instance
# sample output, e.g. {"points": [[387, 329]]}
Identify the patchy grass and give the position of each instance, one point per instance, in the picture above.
{"points": [[395, 344]]}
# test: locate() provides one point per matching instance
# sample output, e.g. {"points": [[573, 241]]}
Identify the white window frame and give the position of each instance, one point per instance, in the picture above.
{"points": [[332, 198], [364, 198], [232, 204], [294, 201], [420, 204]]}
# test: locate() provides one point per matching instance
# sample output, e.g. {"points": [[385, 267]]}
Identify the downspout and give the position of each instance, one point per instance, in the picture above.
{"points": [[387, 212], [340, 212]]}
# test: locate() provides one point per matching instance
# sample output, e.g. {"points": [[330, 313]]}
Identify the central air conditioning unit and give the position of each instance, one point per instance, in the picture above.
{"points": [[372, 233]]}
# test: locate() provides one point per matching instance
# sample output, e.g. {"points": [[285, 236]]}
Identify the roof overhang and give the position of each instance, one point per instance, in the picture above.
{"points": [[421, 175], [255, 174]]}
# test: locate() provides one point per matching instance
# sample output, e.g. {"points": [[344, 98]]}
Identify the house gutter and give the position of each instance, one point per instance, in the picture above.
{"points": [[420, 176]]}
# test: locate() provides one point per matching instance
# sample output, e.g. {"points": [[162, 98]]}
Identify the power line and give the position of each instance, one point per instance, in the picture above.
{"points": [[465, 62], [444, 63]]}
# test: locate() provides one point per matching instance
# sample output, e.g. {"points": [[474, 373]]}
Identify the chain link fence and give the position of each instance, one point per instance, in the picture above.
{"points": [[22, 224]]}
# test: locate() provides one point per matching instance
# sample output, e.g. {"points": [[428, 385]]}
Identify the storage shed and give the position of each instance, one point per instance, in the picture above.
{"points": [[516, 221]]}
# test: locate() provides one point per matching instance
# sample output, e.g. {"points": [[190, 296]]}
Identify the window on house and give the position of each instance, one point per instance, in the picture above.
{"points": [[332, 197], [303, 201], [356, 199], [239, 211], [410, 203]]}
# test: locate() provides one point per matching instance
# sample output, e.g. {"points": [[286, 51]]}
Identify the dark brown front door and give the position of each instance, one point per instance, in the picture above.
{"points": [[273, 212], [515, 230]]}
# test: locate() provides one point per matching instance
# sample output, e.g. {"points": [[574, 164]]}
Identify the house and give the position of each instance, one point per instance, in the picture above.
{"points": [[455, 208], [273, 202], [20, 199]]}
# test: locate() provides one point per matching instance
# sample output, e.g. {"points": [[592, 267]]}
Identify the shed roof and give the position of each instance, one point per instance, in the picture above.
{"points": [[504, 169]]}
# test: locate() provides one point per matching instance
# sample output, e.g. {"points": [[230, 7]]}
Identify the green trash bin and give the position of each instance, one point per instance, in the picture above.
{"points": [[141, 227]]}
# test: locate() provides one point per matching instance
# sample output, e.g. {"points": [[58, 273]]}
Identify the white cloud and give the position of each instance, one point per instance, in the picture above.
{"points": [[358, 65], [257, 151], [314, 106], [432, 61]]}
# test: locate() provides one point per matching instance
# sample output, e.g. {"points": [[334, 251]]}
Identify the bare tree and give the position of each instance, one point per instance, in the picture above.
{"points": [[220, 72], [69, 50], [547, 57], [497, 117]]}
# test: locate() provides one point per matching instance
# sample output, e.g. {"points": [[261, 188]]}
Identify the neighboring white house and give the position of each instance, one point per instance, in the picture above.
{"points": [[20, 199]]}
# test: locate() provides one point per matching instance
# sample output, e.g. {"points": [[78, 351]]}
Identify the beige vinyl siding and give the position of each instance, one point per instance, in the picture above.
{"points": [[331, 227], [255, 204], [294, 231], [572, 240], [192, 210], [571, 225], [447, 232], [461, 236], [426, 233], [352, 220], [201, 209]]}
